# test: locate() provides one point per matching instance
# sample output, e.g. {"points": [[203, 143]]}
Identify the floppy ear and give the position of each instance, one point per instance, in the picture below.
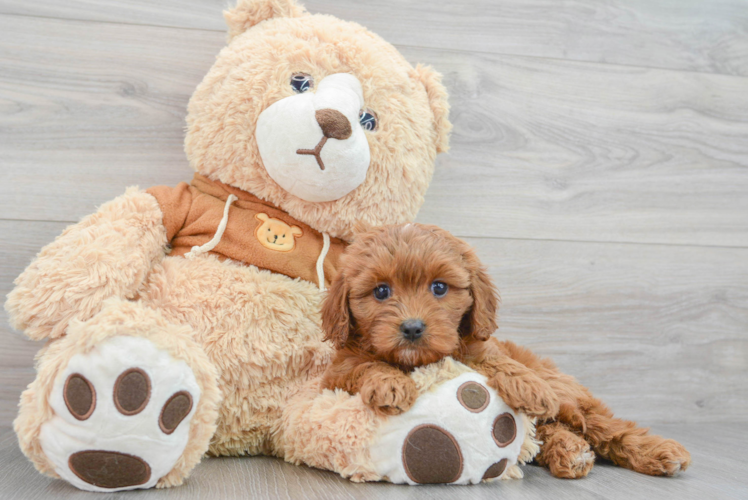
{"points": [[247, 13], [439, 104], [480, 321], [336, 314]]}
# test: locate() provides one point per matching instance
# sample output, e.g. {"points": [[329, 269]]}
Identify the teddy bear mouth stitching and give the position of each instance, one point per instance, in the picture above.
{"points": [[333, 124], [315, 152]]}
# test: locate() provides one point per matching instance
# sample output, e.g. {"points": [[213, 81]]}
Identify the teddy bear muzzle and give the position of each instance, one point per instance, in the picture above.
{"points": [[312, 144]]}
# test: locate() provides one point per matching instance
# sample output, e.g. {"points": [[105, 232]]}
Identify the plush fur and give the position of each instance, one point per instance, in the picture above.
{"points": [[253, 72], [252, 337], [373, 357], [119, 317]]}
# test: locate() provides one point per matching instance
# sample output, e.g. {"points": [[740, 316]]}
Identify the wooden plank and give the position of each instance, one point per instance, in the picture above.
{"points": [[714, 474], [657, 332], [542, 148], [88, 109], [678, 34], [570, 151], [21, 242]]}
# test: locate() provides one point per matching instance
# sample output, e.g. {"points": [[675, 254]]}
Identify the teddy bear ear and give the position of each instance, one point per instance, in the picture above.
{"points": [[261, 217], [439, 104], [247, 13]]}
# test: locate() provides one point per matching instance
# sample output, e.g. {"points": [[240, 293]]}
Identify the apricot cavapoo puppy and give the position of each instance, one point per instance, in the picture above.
{"points": [[410, 295]]}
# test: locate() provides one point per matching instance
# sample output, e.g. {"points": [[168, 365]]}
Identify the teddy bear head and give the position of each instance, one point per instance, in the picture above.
{"points": [[318, 116]]}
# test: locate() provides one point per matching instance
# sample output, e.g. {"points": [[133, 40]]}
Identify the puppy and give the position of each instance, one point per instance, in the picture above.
{"points": [[410, 295]]}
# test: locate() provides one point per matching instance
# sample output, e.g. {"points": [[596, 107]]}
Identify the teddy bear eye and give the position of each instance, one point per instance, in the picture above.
{"points": [[301, 82], [368, 119]]}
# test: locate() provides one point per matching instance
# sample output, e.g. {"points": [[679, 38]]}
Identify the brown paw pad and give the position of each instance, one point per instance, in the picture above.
{"points": [[174, 411], [132, 390], [473, 396], [431, 455], [109, 469], [80, 396], [504, 429], [496, 469]]}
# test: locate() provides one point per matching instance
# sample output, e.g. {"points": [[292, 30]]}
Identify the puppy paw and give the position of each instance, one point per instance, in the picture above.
{"points": [[566, 455], [529, 394], [389, 394], [665, 459], [543, 405]]}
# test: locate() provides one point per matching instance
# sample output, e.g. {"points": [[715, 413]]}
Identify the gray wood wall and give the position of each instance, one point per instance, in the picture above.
{"points": [[599, 164]]}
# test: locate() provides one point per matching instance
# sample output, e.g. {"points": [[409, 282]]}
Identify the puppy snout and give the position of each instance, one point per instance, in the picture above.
{"points": [[412, 329], [334, 124]]}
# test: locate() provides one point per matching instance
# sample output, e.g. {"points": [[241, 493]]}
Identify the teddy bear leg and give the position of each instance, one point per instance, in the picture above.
{"points": [[124, 400], [566, 454], [458, 431]]}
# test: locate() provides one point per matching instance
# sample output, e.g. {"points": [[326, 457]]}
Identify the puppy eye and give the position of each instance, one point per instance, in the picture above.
{"points": [[382, 291], [301, 82], [439, 288], [368, 119]]}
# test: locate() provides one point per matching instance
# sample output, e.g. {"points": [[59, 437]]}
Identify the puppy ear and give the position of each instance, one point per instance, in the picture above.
{"points": [[247, 13], [480, 321], [432, 81], [336, 313]]}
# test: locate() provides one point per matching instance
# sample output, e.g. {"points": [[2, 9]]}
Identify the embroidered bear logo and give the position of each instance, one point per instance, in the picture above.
{"points": [[275, 234]]}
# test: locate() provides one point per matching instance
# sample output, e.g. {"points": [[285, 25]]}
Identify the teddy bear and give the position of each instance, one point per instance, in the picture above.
{"points": [[185, 320]]}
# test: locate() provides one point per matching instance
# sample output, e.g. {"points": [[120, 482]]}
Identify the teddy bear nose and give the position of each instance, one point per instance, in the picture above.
{"points": [[333, 123], [412, 329]]}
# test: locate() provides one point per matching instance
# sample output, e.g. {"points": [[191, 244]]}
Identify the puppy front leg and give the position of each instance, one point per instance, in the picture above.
{"points": [[384, 388], [520, 387]]}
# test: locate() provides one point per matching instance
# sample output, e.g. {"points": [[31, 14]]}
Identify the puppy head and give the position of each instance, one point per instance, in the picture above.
{"points": [[409, 294]]}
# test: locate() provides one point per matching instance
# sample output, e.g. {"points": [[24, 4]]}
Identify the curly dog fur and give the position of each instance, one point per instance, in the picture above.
{"points": [[393, 276]]}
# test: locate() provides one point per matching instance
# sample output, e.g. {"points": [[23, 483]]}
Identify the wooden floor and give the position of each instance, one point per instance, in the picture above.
{"points": [[599, 164]]}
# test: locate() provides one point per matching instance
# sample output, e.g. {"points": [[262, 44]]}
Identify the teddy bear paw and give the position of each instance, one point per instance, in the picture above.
{"points": [[121, 415], [460, 433]]}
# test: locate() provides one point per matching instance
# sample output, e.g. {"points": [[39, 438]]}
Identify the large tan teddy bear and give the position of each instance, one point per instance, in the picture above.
{"points": [[184, 320]]}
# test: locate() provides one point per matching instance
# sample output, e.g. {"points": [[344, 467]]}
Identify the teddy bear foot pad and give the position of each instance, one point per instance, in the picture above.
{"points": [[122, 414], [459, 432]]}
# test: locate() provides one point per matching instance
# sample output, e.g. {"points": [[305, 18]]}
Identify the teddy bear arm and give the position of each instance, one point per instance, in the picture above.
{"points": [[107, 254]]}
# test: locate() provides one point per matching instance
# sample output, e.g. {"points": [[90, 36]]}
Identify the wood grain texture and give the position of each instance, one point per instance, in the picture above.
{"points": [[86, 110], [542, 149], [694, 35], [21, 241], [657, 332], [714, 474], [558, 150]]}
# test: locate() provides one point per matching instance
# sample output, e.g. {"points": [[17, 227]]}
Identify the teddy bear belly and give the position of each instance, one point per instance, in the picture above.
{"points": [[262, 331]]}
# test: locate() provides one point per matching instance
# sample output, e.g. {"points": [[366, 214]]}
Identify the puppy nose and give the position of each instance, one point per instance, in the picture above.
{"points": [[333, 123], [412, 329]]}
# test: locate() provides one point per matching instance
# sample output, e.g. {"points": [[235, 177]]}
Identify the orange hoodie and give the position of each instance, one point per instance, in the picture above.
{"points": [[256, 232]]}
